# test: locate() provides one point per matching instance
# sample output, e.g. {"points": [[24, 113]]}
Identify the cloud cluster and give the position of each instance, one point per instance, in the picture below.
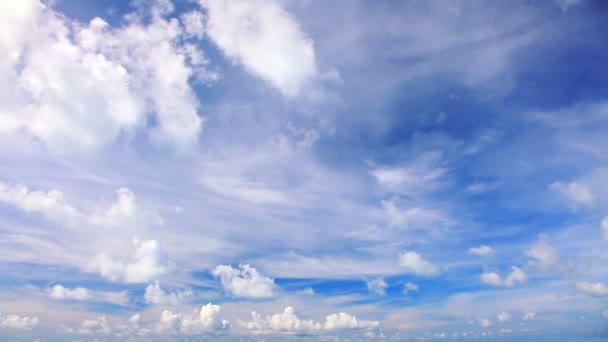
{"points": [[207, 318], [150, 262], [288, 321], [245, 281], [517, 275], [86, 86], [18, 322], [413, 263]]}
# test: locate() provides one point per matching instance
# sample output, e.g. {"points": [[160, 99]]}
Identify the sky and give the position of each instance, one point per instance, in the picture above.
{"points": [[266, 170]]}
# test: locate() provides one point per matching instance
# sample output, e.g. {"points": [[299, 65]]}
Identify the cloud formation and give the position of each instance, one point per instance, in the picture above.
{"points": [[265, 39], [290, 322], [18, 322], [149, 262], [245, 281], [517, 275], [88, 86], [413, 263]]}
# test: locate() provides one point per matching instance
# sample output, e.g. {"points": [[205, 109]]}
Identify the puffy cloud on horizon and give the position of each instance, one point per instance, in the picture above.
{"points": [[245, 281], [150, 262], [207, 318], [288, 321], [265, 39], [413, 263], [18, 322], [517, 275]]}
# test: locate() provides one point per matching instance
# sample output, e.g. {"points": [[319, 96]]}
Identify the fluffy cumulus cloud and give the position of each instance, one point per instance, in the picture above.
{"points": [[594, 289], [288, 321], [51, 203], [376, 286], [413, 263], [482, 250], [265, 39], [78, 293], [156, 295], [206, 318], [86, 86], [245, 281], [18, 322], [516, 276], [149, 262]]}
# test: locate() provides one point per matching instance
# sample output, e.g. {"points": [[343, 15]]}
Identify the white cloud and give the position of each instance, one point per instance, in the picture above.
{"points": [[125, 210], [194, 24], [60, 292], [482, 250], [156, 295], [289, 321], [245, 189], [309, 291], [484, 322], [577, 194], [98, 325], [265, 39], [19, 322], [528, 316], [604, 226], [51, 203], [81, 87], [245, 282], [376, 286], [410, 287], [413, 263], [516, 276], [544, 256], [207, 318], [414, 217], [421, 175], [594, 289], [150, 262], [504, 316]]}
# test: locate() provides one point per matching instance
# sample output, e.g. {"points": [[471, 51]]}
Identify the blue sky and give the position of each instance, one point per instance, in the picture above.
{"points": [[278, 169]]}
